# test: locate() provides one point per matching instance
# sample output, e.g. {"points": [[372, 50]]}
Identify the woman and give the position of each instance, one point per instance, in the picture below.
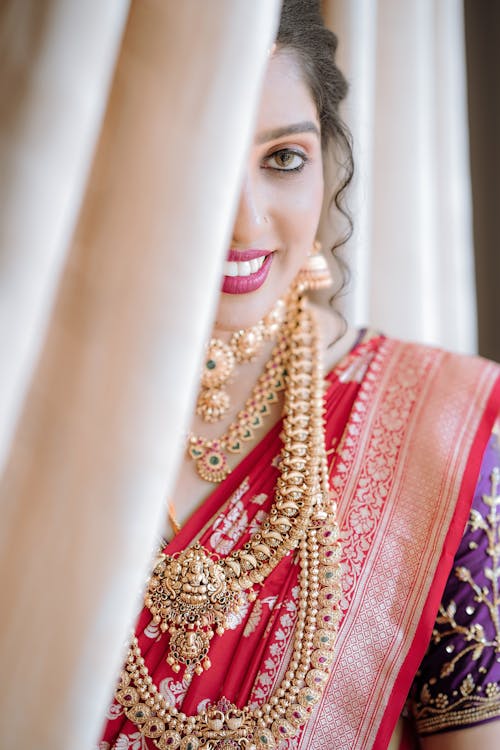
{"points": [[235, 644]]}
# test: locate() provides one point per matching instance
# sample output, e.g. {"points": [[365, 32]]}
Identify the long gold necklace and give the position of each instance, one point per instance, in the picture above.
{"points": [[176, 594], [194, 591]]}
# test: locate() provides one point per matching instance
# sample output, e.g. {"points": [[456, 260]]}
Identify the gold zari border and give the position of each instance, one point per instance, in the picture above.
{"points": [[484, 708]]}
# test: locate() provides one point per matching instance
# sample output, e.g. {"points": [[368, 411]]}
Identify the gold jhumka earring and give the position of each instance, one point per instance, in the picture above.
{"points": [[315, 273]]}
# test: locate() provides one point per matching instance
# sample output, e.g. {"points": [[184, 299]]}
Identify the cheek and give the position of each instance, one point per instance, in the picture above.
{"points": [[301, 207], [309, 203]]}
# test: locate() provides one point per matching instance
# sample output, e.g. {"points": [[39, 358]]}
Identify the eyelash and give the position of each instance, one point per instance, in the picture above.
{"points": [[282, 170]]}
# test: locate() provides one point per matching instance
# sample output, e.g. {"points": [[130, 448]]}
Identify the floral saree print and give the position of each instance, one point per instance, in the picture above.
{"points": [[414, 466]]}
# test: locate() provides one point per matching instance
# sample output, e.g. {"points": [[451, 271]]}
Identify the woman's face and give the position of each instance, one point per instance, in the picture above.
{"points": [[280, 201]]}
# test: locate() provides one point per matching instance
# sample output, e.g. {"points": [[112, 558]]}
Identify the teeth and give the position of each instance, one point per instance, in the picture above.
{"points": [[255, 265], [230, 268], [243, 268]]}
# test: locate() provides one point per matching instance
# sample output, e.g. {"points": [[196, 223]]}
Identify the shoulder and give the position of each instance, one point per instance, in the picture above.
{"points": [[449, 380], [397, 356], [445, 357], [458, 683], [448, 371], [425, 402]]}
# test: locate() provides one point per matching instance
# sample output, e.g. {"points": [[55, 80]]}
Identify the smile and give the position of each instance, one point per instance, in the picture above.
{"points": [[245, 272], [243, 268]]}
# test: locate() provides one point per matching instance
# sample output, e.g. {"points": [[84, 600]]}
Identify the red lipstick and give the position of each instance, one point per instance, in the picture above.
{"points": [[236, 255], [252, 281]]}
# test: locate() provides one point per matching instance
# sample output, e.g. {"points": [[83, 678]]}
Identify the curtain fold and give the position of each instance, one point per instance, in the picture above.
{"points": [[411, 254], [57, 62], [101, 431]]}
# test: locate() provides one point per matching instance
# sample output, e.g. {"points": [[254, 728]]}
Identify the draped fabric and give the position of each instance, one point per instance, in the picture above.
{"points": [[406, 428], [57, 63], [101, 335], [411, 254], [405, 479]]}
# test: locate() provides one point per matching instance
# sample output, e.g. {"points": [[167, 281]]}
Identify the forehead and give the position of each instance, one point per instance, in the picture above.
{"points": [[285, 96]]}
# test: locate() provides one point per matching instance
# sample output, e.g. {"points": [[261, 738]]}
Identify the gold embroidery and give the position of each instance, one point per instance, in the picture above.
{"points": [[473, 701], [253, 619]]}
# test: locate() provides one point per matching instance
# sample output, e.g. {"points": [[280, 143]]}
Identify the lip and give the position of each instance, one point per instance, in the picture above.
{"points": [[236, 255], [245, 284]]}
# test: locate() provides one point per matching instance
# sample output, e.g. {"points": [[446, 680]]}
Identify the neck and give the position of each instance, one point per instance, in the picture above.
{"points": [[191, 490]]}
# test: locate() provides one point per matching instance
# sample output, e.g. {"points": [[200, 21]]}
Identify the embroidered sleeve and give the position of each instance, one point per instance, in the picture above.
{"points": [[458, 683]]}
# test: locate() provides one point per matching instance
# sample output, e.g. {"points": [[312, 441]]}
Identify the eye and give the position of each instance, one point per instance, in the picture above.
{"points": [[285, 160]]}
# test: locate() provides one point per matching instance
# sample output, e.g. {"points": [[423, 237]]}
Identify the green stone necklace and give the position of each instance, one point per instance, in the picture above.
{"points": [[210, 456]]}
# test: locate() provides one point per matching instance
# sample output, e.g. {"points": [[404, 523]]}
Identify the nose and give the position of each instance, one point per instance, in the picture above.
{"points": [[251, 216]]}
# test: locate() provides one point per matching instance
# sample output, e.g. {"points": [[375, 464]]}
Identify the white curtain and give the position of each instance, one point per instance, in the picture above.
{"points": [[57, 62], [411, 254], [103, 333]]}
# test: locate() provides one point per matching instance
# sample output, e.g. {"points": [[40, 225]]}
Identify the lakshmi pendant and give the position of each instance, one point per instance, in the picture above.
{"points": [[189, 595]]}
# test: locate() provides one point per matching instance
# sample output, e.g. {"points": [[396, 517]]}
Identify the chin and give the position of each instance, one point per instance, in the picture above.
{"points": [[245, 310], [236, 311]]}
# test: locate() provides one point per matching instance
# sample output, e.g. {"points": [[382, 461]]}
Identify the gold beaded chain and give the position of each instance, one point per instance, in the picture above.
{"points": [[176, 590], [301, 517], [290, 705]]}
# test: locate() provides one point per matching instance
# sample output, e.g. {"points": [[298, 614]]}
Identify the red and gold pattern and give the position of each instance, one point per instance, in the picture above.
{"points": [[383, 474], [418, 429]]}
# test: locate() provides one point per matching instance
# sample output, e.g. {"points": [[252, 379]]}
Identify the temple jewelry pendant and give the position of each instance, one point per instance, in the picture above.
{"points": [[188, 595], [210, 459]]}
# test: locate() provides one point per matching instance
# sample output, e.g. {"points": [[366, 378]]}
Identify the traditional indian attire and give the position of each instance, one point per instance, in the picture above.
{"points": [[412, 459]]}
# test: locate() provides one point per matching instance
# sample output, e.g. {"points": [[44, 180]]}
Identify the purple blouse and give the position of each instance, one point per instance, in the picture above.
{"points": [[458, 683]]}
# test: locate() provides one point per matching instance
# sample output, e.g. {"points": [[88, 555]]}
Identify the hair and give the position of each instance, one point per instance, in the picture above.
{"points": [[303, 33]]}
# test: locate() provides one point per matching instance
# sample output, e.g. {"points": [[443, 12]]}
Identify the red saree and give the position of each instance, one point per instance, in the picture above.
{"points": [[406, 428]]}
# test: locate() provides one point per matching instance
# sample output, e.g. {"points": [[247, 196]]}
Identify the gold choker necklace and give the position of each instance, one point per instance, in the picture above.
{"points": [[210, 456], [220, 360], [192, 592]]}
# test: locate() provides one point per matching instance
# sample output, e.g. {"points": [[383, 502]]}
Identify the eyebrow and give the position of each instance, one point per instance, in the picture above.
{"points": [[299, 127]]}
